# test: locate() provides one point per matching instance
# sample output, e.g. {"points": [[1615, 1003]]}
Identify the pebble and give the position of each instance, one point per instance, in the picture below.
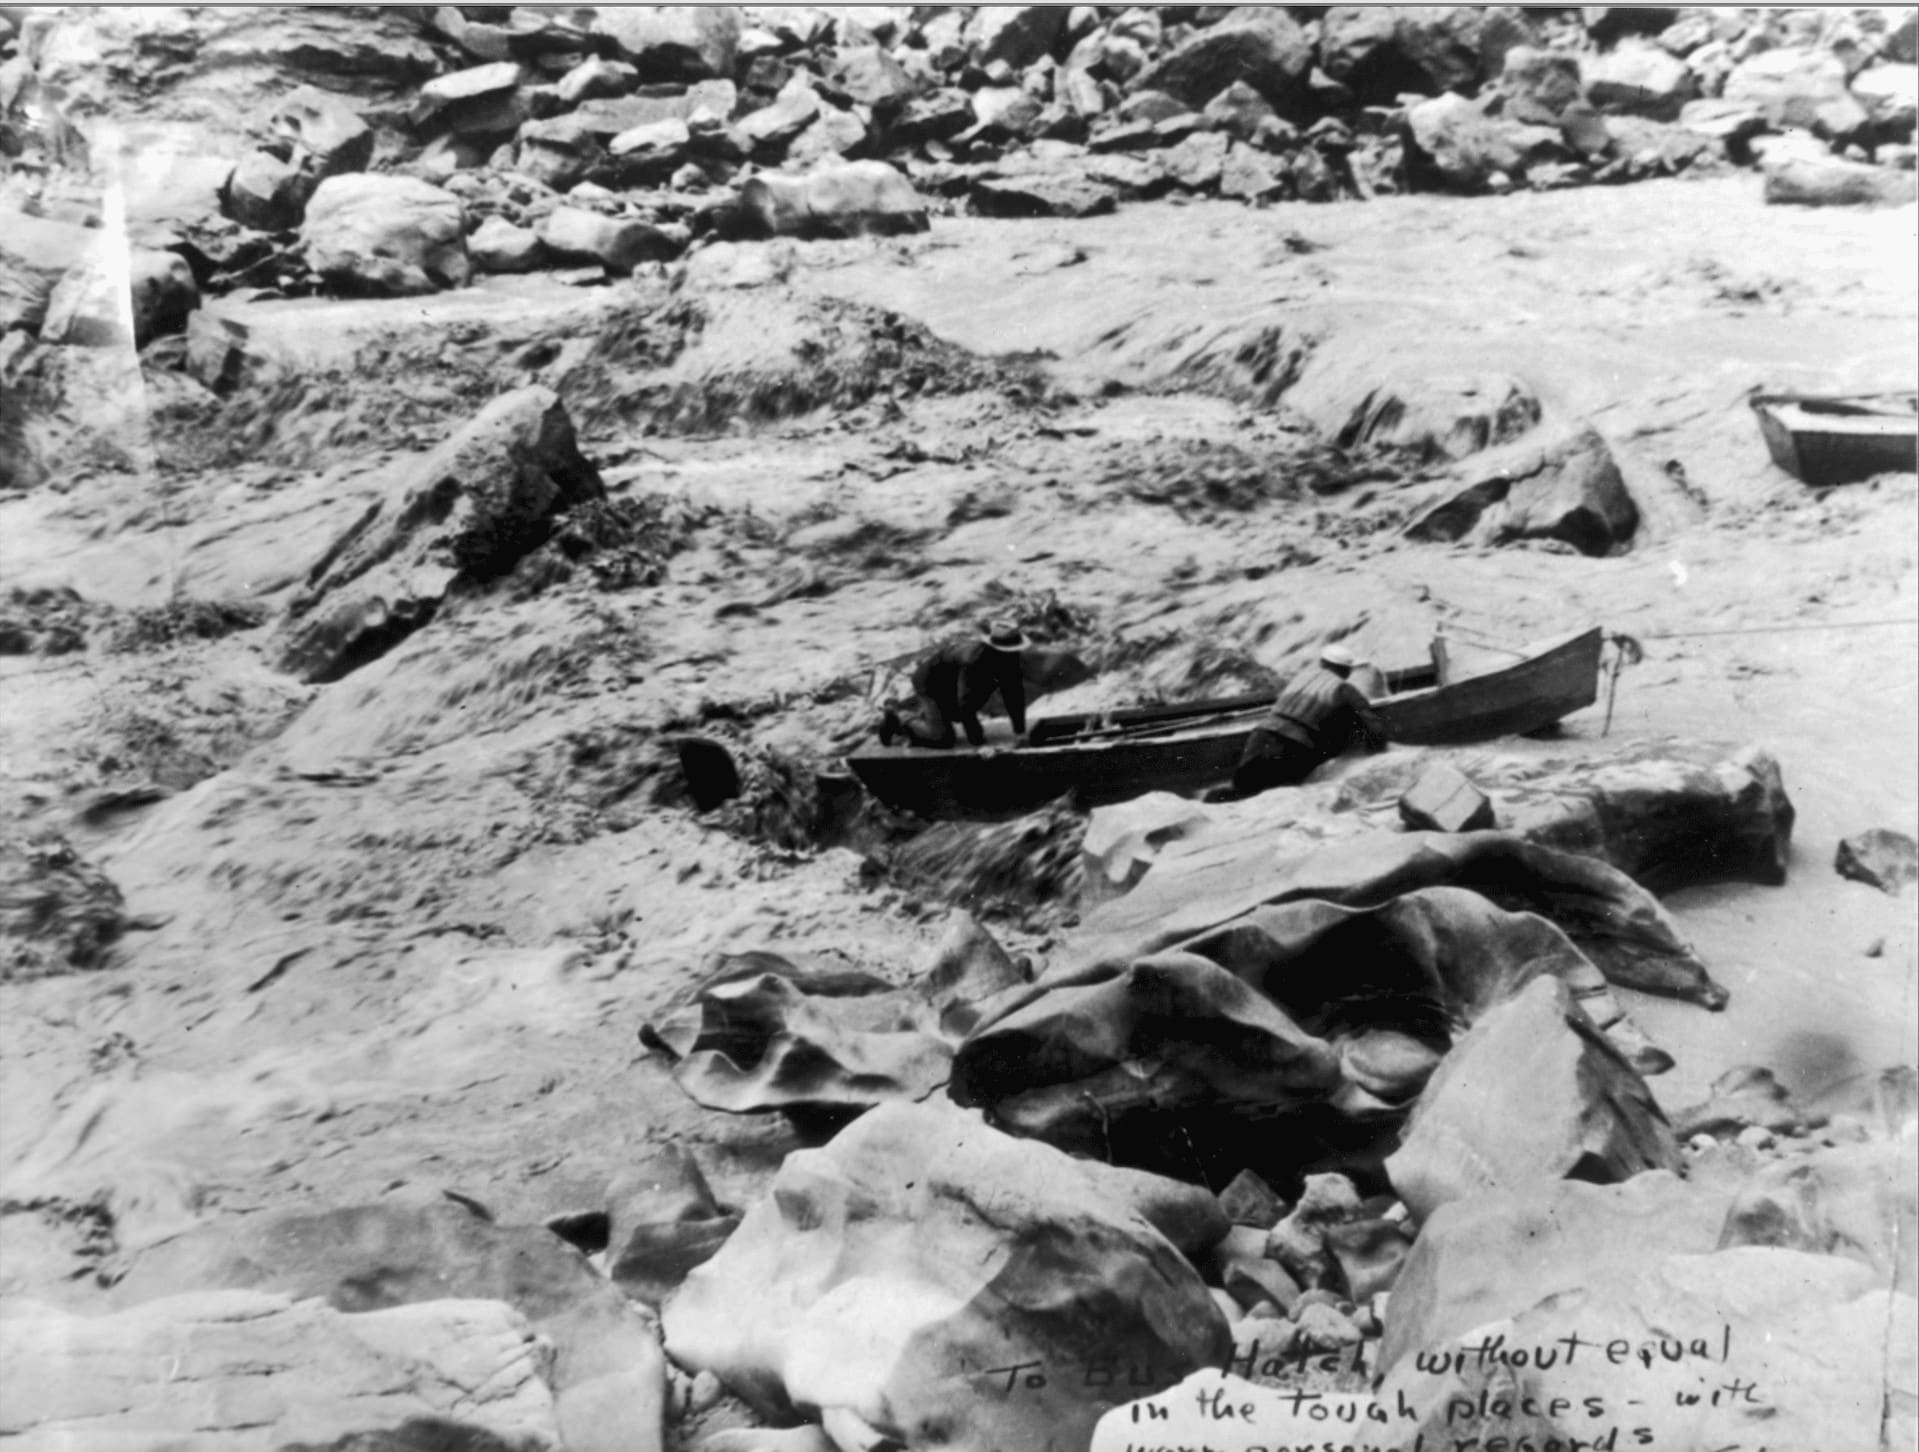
{"points": [[1316, 1297], [1756, 1137], [705, 1393], [1322, 1328]]}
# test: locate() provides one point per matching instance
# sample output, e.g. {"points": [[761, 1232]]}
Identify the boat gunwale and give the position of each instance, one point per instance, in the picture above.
{"points": [[1542, 657]]}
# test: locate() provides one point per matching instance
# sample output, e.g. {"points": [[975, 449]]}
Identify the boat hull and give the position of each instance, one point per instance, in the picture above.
{"points": [[1191, 754], [1825, 448]]}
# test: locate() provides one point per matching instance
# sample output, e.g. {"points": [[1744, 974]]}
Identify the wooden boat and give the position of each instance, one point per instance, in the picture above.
{"points": [[1117, 755], [1840, 439]]}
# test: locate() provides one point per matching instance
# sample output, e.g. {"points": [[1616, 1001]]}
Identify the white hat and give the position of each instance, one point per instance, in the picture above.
{"points": [[1338, 655]]}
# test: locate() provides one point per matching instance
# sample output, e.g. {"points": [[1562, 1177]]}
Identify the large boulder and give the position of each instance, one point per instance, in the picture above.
{"points": [[1378, 52], [594, 78], [479, 102], [98, 305], [845, 199], [1216, 877], [1860, 1201], [662, 1222], [673, 42], [1833, 181], [1805, 89], [386, 235], [559, 151], [332, 138], [1880, 858], [618, 244], [928, 1280], [1043, 194], [498, 246], [1890, 94], [1499, 1253], [607, 1374], [832, 134], [1668, 812], [1540, 86], [460, 517], [1015, 34], [1440, 416], [1350, 1008], [1159, 1062], [1470, 151], [774, 127], [248, 1371], [1565, 486], [1533, 1092], [1261, 45], [266, 191], [647, 155], [869, 76], [1639, 80]]}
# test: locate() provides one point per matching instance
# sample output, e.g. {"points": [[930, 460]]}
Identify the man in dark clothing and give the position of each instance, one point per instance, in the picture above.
{"points": [[955, 681], [1319, 715]]}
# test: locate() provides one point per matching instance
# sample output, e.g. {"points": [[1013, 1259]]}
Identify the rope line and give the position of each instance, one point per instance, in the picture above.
{"points": [[1453, 628], [1769, 629]]}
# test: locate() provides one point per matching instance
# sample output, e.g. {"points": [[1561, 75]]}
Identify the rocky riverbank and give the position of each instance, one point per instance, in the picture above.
{"points": [[401, 1047]]}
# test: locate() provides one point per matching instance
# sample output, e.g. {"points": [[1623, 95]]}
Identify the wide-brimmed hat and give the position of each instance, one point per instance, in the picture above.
{"points": [[1003, 635], [1338, 655]]}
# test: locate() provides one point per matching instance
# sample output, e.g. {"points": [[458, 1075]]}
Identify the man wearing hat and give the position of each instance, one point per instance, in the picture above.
{"points": [[955, 681], [1319, 715]]}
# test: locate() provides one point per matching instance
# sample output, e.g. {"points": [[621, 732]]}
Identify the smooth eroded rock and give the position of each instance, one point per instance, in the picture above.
{"points": [[1532, 1092], [1817, 1354], [1497, 1253], [891, 1271]]}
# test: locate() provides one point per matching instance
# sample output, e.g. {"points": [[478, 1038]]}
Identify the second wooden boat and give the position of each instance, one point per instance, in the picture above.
{"points": [[1840, 439]]}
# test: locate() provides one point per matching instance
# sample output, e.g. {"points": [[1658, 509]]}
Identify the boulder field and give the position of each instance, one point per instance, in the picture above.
{"points": [[470, 476]]}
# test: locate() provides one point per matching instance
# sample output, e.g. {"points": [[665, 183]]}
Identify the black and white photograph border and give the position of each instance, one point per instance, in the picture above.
{"points": [[959, 728]]}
